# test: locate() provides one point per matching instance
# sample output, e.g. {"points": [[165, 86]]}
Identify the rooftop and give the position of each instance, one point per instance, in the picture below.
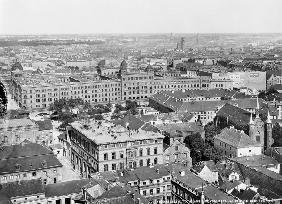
{"points": [[235, 138], [26, 157], [66, 188], [105, 133], [256, 161]]}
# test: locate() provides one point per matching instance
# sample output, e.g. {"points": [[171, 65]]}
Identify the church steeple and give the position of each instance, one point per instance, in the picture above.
{"points": [[268, 118], [251, 119], [202, 196], [269, 139], [257, 109]]}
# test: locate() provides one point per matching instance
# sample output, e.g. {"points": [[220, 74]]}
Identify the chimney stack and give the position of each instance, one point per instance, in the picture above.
{"points": [[182, 173]]}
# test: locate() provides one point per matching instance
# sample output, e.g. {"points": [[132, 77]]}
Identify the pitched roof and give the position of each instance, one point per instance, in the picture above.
{"points": [[235, 114], [146, 173], [213, 193], [174, 129], [66, 188], [133, 122], [22, 188], [235, 138], [121, 195], [26, 157], [24, 149], [247, 194], [227, 185]]}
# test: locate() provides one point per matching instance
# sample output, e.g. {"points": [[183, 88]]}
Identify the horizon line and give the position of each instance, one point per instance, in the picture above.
{"points": [[138, 33]]}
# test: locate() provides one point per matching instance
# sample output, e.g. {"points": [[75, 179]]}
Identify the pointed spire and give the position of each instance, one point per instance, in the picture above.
{"points": [[268, 118], [202, 195], [251, 120], [257, 110]]}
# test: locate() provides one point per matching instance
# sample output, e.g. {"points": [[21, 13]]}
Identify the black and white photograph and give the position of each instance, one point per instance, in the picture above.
{"points": [[140, 101]]}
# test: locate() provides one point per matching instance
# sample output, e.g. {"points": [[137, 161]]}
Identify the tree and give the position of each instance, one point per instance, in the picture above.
{"points": [[201, 151], [277, 135], [211, 130], [131, 106]]}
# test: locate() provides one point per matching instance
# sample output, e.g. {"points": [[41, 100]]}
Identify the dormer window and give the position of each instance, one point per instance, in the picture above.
{"points": [[44, 164], [18, 166]]}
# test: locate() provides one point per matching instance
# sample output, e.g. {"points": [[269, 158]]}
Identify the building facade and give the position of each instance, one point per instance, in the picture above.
{"points": [[108, 147], [28, 161], [15, 131]]}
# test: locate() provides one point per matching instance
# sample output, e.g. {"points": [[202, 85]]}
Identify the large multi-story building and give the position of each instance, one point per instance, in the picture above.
{"points": [[107, 147], [27, 161], [38, 92], [154, 183], [189, 188]]}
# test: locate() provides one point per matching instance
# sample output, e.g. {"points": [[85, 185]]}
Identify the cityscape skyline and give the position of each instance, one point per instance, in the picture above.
{"points": [[46, 17]]}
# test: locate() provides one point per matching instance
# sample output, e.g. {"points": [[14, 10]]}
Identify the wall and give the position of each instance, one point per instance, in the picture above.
{"points": [[241, 152]]}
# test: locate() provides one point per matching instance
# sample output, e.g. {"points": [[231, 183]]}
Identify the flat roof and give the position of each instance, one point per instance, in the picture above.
{"points": [[107, 133]]}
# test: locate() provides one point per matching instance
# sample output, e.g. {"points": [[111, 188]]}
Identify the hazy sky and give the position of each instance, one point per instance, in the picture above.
{"points": [[139, 16]]}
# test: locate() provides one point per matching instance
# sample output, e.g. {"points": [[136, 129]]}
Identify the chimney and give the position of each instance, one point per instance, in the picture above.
{"points": [[121, 173], [84, 193], [158, 171], [182, 173]]}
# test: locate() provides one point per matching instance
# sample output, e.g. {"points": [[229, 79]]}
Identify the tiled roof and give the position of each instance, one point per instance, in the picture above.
{"points": [[149, 127], [121, 195], [247, 194], [235, 114], [134, 123], [173, 128], [227, 185], [213, 193], [146, 173], [66, 188], [248, 103], [22, 188], [200, 106], [25, 149], [235, 138], [26, 157], [268, 193]]}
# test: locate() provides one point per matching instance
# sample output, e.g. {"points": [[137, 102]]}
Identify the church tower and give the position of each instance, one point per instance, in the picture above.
{"points": [[256, 128], [269, 139]]}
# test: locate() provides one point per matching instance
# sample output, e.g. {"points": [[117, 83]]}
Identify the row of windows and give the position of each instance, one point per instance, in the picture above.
{"points": [[121, 154], [131, 165], [114, 145], [155, 191]]}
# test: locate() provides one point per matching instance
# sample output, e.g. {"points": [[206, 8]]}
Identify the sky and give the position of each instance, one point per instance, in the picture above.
{"points": [[139, 16]]}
